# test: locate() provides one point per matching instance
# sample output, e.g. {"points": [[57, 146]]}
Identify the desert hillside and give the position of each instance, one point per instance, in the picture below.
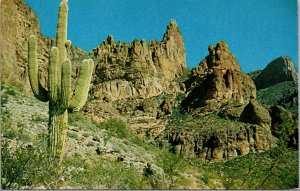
{"points": [[149, 121]]}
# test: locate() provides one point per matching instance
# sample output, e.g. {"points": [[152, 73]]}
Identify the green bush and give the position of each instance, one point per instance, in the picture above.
{"points": [[24, 167], [12, 132], [273, 169], [172, 165], [102, 173], [90, 144], [39, 118], [72, 135], [115, 127], [76, 117]]}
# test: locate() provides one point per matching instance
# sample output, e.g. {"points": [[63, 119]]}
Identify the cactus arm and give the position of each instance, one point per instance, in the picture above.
{"points": [[66, 82], [82, 85], [61, 33], [53, 73], [38, 90]]}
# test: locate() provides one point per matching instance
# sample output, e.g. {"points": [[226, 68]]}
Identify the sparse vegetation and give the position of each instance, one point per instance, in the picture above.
{"points": [[279, 94], [274, 169], [172, 165], [26, 166]]}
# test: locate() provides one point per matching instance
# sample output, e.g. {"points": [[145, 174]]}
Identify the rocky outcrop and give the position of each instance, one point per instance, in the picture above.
{"points": [[126, 74], [213, 138], [284, 125], [279, 70], [240, 130], [18, 22], [138, 69], [255, 113], [224, 120], [218, 78], [166, 58]]}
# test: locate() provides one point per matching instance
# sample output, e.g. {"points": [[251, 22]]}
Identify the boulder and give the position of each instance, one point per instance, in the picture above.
{"points": [[255, 113]]}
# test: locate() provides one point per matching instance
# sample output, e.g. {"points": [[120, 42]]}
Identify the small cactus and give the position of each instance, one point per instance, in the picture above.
{"points": [[59, 91]]}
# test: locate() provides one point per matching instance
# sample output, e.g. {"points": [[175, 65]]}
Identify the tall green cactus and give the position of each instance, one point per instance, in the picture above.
{"points": [[59, 91]]}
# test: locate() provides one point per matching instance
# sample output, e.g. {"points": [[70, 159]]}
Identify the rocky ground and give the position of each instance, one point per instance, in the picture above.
{"points": [[86, 138]]}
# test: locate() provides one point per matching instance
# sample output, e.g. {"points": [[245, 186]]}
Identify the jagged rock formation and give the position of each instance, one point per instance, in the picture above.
{"points": [[127, 75], [18, 22], [218, 78], [228, 120], [279, 70], [138, 69]]}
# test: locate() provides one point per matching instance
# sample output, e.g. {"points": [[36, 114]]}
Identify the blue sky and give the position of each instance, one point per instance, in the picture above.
{"points": [[257, 31]]}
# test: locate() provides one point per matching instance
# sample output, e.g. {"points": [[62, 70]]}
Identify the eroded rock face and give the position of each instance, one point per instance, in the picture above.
{"points": [[218, 87], [15, 31], [128, 76], [211, 143], [209, 137], [18, 22], [218, 78], [138, 69], [279, 70]]}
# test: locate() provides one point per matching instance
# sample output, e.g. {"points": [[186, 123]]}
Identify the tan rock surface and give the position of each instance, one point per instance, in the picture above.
{"points": [[219, 77], [18, 22]]}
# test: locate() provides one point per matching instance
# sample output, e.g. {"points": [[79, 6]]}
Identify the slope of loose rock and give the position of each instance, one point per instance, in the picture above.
{"points": [[88, 141]]}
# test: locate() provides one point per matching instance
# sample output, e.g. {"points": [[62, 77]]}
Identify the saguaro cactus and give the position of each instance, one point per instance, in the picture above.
{"points": [[59, 91]]}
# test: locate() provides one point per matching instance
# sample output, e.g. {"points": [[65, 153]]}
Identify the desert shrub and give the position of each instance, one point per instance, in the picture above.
{"points": [[172, 165], [102, 173], [115, 127], [185, 75], [10, 131], [86, 134], [90, 144], [72, 135], [4, 99], [76, 117], [273, 169], [276, 94], [10, 91], [39, 118], [25, 166]]}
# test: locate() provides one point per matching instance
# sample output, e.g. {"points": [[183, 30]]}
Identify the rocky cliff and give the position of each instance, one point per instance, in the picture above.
{"points": [[133, 80], [18, 22], [138, 69], [218, 78], [219, 118]]}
